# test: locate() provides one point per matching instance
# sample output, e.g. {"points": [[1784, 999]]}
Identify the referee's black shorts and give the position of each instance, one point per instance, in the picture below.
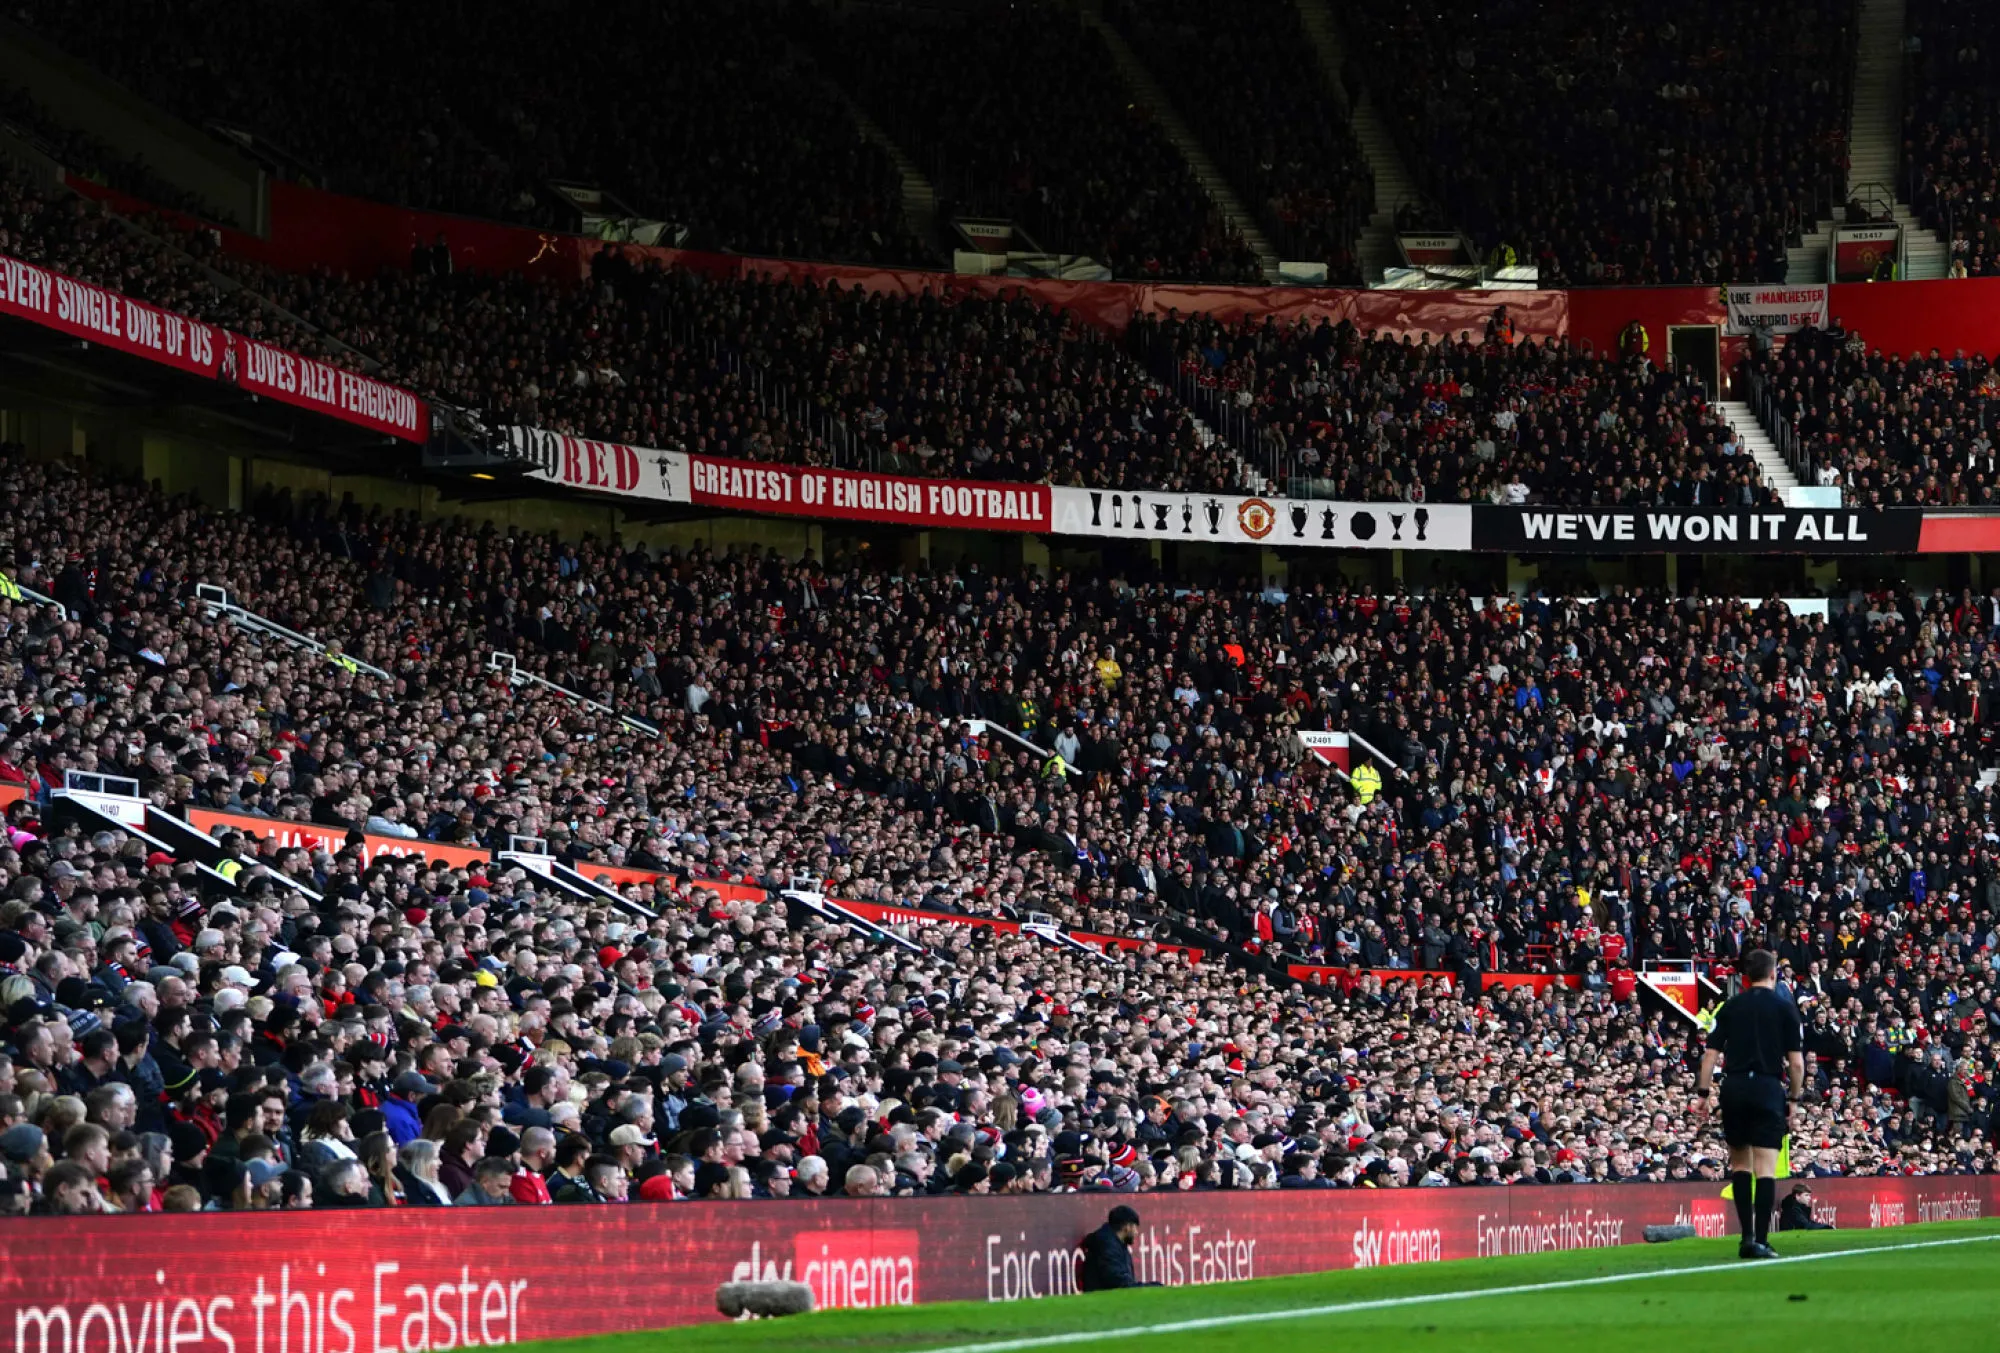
{"points": [[1754, 1111]]}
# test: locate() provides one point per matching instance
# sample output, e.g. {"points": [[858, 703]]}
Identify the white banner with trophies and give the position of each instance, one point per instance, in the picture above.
{"points": [[1223, 519]]}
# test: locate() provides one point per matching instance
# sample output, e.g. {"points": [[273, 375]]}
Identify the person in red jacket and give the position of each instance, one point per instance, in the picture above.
{"points": [[538, 1153]]}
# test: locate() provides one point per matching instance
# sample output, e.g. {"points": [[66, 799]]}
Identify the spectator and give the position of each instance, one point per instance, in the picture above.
{"points": [[345, 1184], [1107, 1254], [492, 1184]]}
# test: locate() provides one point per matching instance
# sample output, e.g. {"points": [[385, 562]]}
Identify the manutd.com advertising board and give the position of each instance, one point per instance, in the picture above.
{"points": [[373, 1282]]}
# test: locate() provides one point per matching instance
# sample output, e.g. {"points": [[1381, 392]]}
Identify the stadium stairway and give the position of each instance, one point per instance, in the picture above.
{"points": [[1377, 246], [1874, 144], [919, 197], [1762, 449], [1146, 90]]}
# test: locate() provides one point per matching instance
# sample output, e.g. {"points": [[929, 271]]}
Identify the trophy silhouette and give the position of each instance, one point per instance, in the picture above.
{"points": [[1395, 526], [1096, 508], [1423, 516], [1138, 514], [1300, 515], [1187, 517], [1213, 508], [1326, 520], [1160, 511], [1117, 511]]}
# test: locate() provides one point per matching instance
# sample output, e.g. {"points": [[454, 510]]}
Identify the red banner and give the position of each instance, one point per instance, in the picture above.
{"points": [[123, 324], [883, 914], [419, 1279], [105, 317], [1959, 533], [334, 391], [617, 876], [313, 836], [1320, 975], [850, 496]]}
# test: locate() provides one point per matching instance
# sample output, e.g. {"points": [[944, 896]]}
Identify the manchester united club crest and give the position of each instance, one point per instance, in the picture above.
{"points": [[1256, 518]]}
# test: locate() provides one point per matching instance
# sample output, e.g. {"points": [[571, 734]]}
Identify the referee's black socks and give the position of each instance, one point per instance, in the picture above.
{"points": [[1742, 1192], [1767, 1198]]}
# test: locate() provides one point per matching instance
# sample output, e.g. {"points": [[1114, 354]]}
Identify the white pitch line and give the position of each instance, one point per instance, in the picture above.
{"points": [[1426, 1298]]}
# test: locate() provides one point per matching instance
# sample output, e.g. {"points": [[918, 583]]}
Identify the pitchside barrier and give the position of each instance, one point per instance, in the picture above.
{"points": [[422, 1279]]}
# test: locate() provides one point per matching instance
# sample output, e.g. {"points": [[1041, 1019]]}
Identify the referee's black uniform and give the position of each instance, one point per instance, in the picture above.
{"points": [[1756, 1031]]}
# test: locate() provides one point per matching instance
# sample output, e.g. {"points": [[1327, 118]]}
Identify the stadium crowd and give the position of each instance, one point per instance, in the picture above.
{"points": [[1020, 114], [1952, 117], [710, 120], [1256, 98], [1005, 388], [34, 126], [1890, 430], [1608, 144], [1477, 418], [1566, 781]]}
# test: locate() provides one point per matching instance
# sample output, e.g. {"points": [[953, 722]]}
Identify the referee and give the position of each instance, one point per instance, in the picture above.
{"points": [[1758, 1039]]}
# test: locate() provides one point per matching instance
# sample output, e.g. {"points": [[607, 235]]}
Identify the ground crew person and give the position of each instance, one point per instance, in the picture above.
{"points": [[1367, 783]]}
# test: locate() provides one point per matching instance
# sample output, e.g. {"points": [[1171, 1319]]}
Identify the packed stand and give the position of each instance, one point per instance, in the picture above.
{"points": [[706, 119], [1889, 431], [421, 1035], [1019, 114], [1949, 128], [48, 225], [1259, 103], [1004, 388], [979, 388], [1346, 414], [1612, 144], [86, 156]]}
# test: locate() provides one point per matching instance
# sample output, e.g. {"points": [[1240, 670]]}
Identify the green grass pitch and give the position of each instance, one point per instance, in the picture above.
{"points": [[1867, 1291]]}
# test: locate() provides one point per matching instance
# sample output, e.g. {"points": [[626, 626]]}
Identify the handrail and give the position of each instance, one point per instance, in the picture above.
{"points": [[39, 598], [979, 726], [1781, 429], [92, 782], [216, 599], [1379, 754], [506, 662]]}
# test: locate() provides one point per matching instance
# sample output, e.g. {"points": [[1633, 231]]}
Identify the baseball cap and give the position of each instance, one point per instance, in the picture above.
{"points": [[412, 1083], [22, 1142]]}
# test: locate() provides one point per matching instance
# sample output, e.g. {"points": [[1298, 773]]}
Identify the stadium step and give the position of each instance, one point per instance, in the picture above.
{"points": [[1139, 82], [1393, 185], [1874, 151], [1875, 122], [1752, 437], [919, 197]]}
